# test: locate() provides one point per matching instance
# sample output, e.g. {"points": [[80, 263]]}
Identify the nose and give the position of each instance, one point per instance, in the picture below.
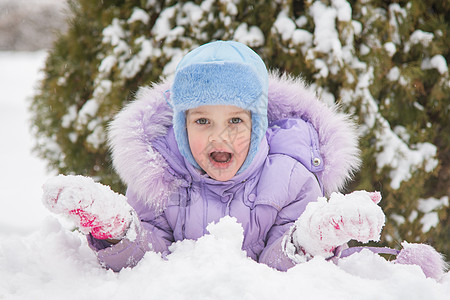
{"points": [[220, 134]]}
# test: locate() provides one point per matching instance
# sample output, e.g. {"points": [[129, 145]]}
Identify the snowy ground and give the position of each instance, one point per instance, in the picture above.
{"points": [[40, 259], [22, 174]]}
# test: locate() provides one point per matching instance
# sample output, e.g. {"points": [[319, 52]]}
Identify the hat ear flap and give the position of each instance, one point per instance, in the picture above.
{"points": [[181, 137]]}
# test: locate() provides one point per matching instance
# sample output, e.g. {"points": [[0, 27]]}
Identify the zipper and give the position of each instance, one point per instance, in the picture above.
{"points": [[227, 207], [205, 208]]}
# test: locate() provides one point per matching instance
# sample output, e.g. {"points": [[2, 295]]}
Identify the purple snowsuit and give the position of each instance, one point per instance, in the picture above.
{"points": [[309, 150]]}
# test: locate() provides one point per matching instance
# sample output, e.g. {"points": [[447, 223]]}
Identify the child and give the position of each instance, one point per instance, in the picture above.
{"points": [[224, 138]]}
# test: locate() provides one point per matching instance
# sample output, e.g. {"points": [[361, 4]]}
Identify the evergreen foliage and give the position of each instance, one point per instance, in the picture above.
{"points": [[383, 61]]}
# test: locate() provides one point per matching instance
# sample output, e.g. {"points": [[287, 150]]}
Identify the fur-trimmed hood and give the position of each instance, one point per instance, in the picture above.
{"points": [[149, 116]]}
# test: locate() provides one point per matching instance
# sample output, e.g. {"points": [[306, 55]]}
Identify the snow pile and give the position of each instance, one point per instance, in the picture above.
{"points": [[55, 263]]}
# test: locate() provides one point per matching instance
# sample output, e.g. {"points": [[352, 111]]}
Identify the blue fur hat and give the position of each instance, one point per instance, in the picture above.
{"points": [[220, 73]]}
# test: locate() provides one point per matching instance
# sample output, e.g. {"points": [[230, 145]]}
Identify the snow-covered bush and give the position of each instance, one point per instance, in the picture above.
{"points": [[383, 61]]}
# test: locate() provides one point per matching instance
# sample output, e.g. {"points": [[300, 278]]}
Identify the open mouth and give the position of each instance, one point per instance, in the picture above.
{"points": [[220, 157]]}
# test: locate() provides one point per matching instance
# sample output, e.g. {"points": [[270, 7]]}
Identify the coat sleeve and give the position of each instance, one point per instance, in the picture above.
{"points": [[304, 188], [153, 233]]}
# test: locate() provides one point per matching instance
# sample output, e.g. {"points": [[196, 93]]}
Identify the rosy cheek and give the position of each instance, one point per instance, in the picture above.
{"points": [[194, 147], [197, 147], [242, 144]]}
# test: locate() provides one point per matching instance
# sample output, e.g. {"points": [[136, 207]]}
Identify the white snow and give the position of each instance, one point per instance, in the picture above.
{"points": [[430, 204], [357, 27], [437, 62], [192, 13], [139, 15], [288, 30], [162, 26], [403, 160], [90, 108], [97, 136], [41, 259], [69, 117], [284, 25], [396, 16], [364, 49], [394, 74], [301, 36], [22, 173], [301, 21], [252, 36], [429, 220], [57, 264], [326, 38], [397, 218], [392, 151], [429, 207], [390, 48], [138, 60], [231, 8], [113, 34], [344, 10], [402, 133], [107, 64], [421, 37]]}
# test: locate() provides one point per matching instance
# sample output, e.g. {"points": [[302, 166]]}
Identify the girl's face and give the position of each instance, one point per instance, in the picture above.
{"points": [[219, 138]]}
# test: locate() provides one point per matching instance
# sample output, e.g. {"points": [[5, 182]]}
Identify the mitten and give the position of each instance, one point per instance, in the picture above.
{"points": [[325, 225], [93, 207], [432, 262], [426, 257]]}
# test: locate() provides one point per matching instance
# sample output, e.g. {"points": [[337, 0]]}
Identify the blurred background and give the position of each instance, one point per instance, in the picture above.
{"points": [[27, 30], [31, 25]]}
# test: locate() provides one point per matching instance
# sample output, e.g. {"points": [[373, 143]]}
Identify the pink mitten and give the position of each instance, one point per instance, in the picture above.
{"points": [[93, 207], [325, 225]]}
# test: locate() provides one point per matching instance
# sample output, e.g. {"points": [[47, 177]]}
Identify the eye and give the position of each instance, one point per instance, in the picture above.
{"points": [[202, 121], [235, 120]]}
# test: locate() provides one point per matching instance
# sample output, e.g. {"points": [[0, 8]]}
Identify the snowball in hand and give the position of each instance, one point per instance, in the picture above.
{"points": [[93, 207], [325, 225]]}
